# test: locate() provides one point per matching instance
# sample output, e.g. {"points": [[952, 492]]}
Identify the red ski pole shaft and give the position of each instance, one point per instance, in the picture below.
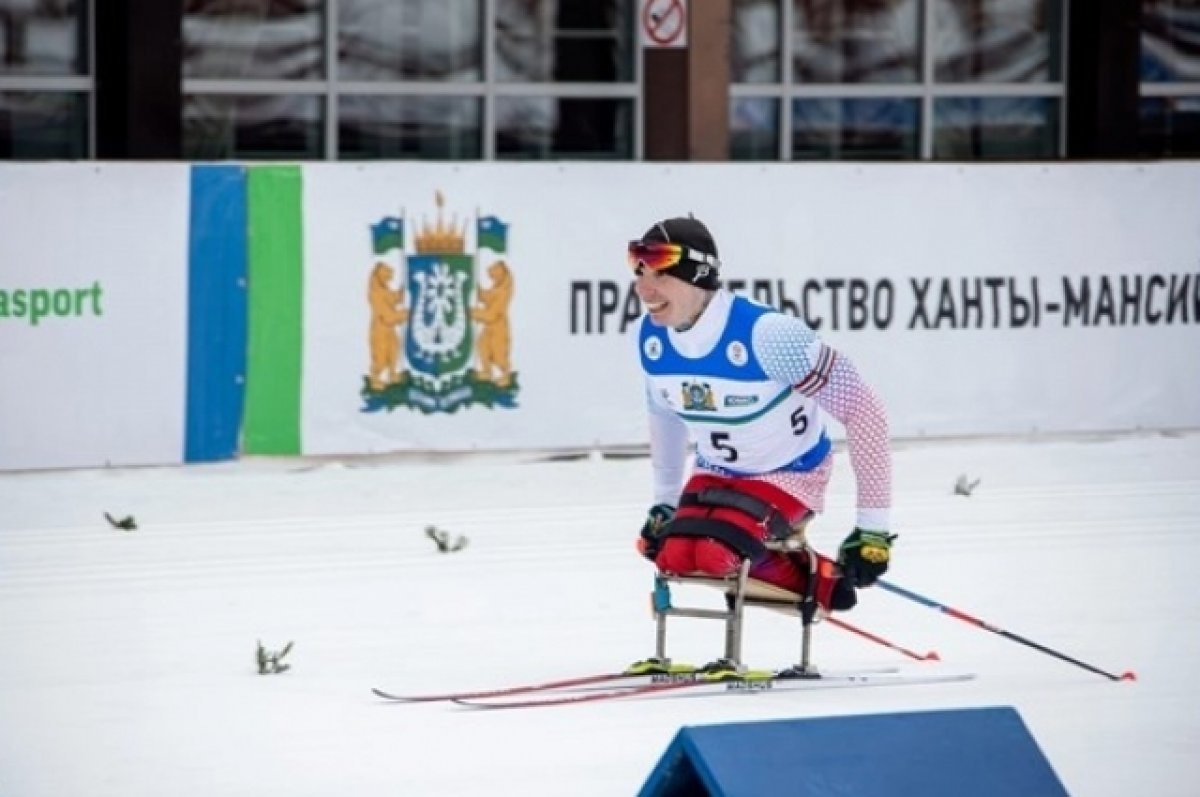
{"points": [[1128, 675], [930, 656]]}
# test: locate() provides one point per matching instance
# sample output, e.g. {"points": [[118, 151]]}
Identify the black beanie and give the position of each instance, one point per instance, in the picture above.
{"points": [[692, 233]]}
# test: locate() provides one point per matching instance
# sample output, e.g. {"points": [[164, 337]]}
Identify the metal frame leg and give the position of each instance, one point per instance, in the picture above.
{"points": [[808, 610], [733, 622], [733, 614], [662, 607]]}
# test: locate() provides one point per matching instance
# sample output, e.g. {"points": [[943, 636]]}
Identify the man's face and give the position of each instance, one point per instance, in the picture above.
{"points": [[670, 301]]}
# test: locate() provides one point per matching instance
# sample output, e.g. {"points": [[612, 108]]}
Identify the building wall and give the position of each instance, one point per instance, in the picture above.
{"points": [[764, 80]]}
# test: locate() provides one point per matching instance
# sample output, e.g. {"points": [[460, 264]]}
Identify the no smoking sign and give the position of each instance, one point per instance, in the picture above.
{"points": [[663, 23]]}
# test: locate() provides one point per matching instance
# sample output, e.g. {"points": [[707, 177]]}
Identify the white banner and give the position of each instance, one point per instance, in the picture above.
{"points": [[93, 314], [978, 300]]}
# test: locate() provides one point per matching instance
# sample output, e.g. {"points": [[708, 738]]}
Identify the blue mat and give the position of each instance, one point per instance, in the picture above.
{"points": [[981, 752]]}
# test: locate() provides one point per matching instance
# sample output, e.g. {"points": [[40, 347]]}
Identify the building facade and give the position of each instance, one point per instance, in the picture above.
{"points": [[758, 80]]}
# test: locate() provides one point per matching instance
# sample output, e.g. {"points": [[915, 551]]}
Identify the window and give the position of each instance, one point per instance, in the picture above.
{"points": [[865, 128], [995, 128], [1169, 112], [252, 126], [379, 40], [428, 127], [897, 79], [455, 79], [575, 128], [570, 42], [258, 40], [46, 87]]}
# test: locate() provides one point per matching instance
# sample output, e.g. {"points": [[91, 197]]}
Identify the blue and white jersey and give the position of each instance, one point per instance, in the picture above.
{"points": [[741, 380]]}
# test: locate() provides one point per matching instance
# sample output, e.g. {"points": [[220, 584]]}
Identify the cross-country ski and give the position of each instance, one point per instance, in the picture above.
{"points": [[728, 686], [613, 680]]}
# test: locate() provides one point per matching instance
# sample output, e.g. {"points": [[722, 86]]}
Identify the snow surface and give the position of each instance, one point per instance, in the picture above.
{"points": [[127, 657]]}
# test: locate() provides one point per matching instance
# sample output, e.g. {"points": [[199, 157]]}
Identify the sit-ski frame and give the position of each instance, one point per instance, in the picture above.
{"points": [[740, 591]]}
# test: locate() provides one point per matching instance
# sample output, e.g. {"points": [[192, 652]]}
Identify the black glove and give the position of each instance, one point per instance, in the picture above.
{"points": [[865, 555], [656, 520]]}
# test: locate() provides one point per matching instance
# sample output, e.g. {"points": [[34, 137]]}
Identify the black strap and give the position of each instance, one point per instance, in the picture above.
{"points": [[763, 513], [721, 530]]}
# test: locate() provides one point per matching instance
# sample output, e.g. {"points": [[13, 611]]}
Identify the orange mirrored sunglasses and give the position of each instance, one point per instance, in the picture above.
{"points": [[662, 256]]}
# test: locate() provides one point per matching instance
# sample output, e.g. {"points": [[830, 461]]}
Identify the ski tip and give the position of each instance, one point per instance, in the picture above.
{"points": [[1128, 675]]}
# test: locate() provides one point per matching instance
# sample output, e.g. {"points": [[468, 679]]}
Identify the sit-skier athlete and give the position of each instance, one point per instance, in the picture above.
{"points": [[751, 387]]}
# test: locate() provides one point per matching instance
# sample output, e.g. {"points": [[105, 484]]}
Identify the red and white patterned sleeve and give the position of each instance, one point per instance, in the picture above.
{"points": [[791, 352]]}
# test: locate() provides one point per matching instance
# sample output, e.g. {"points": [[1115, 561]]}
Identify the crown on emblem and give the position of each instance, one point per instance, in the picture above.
{"points": [[441, 237]]}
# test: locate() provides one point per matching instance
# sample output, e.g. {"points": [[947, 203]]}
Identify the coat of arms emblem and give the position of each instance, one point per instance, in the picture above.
{"points": [[449, 320]]}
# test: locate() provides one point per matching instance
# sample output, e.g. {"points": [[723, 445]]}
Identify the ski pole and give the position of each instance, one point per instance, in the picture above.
{"points": [[1128, 675], [930, 656]]}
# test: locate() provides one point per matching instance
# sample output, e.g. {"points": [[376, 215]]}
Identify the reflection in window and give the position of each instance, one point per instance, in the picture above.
{"points": [[999, 41], [550, 128], [1170, 126], [856, 41], [754, 51], [410, 40], [252, 127], [258, 39], [995, 128], [428, 128], [547, 40], [754, 129], [855, 129], [43, 125], [43, 37], [1170, 41]]}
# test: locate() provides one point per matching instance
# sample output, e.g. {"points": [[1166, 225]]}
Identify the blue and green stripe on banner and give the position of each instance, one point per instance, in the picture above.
{"points": [[245, 312]]}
